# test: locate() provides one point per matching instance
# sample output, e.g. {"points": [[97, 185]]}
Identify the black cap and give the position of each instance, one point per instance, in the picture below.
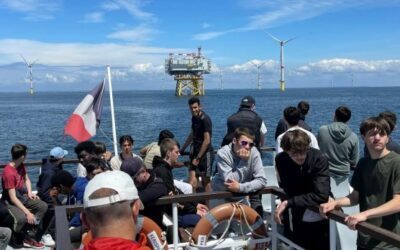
{"points": [[131, 166], [248, 101]]}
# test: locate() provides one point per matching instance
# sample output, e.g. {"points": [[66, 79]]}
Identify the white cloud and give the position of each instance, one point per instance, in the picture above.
{"points": [[338, 65], [133, 7], [34, 10], [137, 34], [94, 17], [206, 25], [278, 12], [251, 66], [73, 54]]}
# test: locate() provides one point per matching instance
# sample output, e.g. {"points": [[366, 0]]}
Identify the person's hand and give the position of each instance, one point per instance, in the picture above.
{"points": [[232, 185], [32, 196], [171, 193], [353, 220], [327, 207], [201, 209], [279, 210], [30, 218], [195, 162], [243, 154]]}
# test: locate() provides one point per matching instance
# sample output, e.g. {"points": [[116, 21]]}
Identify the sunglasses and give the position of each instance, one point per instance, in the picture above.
{"points": [[245, 143]]}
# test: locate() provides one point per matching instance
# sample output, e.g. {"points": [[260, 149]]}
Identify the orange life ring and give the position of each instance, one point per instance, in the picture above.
{"points": [[224, 212], [146, 226]]}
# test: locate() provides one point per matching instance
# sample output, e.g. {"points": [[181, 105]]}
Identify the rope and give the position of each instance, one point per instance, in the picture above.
{"points": [[247, 223], [164, 239], [104, 134]]}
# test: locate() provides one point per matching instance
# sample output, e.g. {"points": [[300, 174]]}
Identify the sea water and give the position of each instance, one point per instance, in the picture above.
{"points": [[38, 120]]}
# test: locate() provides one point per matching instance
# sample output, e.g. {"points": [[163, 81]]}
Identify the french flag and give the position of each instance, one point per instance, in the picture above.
{"points": [[83, 122]]}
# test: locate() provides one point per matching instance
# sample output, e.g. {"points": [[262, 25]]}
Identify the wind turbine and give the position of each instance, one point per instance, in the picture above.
{"points": [[29, 65], [258, 66], [282, 43]]}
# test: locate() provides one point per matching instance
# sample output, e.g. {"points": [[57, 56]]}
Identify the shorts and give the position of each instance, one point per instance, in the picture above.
{"points": [[205, 165]]}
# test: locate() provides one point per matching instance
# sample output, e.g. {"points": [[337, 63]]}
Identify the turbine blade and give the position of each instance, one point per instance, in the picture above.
{"points": [[23, 58], [276, 39], [34, 62], [291, 39]]}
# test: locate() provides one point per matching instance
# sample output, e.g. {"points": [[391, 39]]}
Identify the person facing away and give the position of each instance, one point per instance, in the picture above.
{"points": [[282, 126], [339, 144], [292, 117], [376, 186], [84, 151], [149, 186], [26, 207], [201, 151], [391, 119], [102, 152], [126, 144], [246, 117], [50, 166], [303, 173], [111, 208], [239, 168]]}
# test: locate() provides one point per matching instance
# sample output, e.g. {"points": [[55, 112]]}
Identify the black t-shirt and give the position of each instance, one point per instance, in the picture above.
{"points": [[200, 125]]}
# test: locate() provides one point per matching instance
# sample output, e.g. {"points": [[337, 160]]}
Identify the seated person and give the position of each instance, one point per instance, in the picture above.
{"points": [[190, 212], [150, 188], [239, 169]]}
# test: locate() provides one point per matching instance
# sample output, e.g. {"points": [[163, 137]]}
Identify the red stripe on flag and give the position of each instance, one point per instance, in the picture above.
{"points": [[76, 129]]}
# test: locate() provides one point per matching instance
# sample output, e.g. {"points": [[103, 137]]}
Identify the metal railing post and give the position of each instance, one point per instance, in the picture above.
{"points": [[332, 235], [175, 225], [274, 238]]}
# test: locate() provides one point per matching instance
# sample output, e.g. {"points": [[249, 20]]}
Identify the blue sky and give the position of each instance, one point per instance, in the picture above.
{"points": [[337, 42]]}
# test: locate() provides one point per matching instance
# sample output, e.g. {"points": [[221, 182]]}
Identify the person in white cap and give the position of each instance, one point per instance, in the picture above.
{"points": [[111, 207]]}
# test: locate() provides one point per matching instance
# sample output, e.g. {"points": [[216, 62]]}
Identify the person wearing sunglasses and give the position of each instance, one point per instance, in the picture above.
{"points": [[239, 168]]}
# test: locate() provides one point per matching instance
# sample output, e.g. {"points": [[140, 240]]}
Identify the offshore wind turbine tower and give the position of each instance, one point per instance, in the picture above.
{"points": [[30, 65], [188, 70], [282, 43]]}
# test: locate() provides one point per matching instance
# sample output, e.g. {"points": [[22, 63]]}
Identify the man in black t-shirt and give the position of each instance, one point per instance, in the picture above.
{"points": [[201, 152]]}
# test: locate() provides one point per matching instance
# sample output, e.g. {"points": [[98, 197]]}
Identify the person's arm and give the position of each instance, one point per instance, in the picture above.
{"points": [[263, 131], [143, 151], [354, 155], [203, 149], [16, 202], [153, 192], [259, 180], [187, 142], [348, 201], [224, 166], [390, 207], [29, 188]]}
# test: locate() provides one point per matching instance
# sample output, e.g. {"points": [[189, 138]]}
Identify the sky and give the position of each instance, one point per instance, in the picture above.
{"points": [[336, 43]]}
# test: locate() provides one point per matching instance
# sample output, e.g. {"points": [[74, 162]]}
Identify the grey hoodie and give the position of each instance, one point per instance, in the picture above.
{"points": [[340, 145]]}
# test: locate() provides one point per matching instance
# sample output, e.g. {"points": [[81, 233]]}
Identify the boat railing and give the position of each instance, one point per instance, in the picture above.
{"points": [[63, 238]]}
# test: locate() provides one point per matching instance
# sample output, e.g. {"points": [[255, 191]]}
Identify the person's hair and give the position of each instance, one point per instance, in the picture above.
{"points": [[303, 106], [296, 141], [390, 117], [166, 145], [243, 132], [342, 114], [87, 146], [165, 134], [18, 150], [100, 147], [193, 100], [63, 178], [375, 123], [125, 138], [292, 115], [95, 163], [101, 216]]}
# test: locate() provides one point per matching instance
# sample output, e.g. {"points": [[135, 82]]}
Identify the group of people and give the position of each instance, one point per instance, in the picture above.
{"points": [[114, 189]]}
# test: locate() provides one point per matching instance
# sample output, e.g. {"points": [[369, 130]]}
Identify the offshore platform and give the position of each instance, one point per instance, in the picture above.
{"points": [[188, 70]]}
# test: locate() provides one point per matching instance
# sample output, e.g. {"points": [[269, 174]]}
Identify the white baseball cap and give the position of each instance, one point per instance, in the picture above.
{"points": [[117, 180]]}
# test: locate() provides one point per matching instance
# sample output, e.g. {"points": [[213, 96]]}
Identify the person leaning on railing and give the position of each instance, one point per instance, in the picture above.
{"points": [[376, 183]]}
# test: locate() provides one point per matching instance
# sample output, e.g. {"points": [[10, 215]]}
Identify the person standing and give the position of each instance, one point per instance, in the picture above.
{"points": [[282, 126], [376, 186], [340, 145], [201, 152], [126, 143], [246, 117], [303, 174]]}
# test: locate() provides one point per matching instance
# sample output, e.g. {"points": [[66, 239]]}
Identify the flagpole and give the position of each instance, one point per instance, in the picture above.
{"points": [[112, 111]]}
